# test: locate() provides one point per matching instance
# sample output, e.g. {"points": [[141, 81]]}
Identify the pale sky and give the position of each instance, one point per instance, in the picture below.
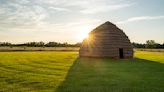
{"points": [[69, 20]]}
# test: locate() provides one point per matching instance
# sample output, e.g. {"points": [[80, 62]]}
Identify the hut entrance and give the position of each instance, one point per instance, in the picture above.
{"points": [[121, 53]]}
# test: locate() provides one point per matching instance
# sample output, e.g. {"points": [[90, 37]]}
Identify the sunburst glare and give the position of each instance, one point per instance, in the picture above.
{"points": [[83, 32]]}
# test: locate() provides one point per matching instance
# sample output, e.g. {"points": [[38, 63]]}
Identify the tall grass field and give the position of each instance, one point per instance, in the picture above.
{"points": [[66, 72]]}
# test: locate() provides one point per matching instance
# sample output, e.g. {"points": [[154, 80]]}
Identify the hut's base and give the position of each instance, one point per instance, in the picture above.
{"points": [[110, 57]]}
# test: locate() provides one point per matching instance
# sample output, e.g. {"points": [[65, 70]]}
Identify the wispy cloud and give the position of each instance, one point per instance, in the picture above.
{"points": [[59, 9], [21, 14], [141, 18], [88, 6], [31, 13], [104, 8]]}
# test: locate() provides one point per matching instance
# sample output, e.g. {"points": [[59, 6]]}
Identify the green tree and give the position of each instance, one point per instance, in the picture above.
{"points": [[150, 44]]}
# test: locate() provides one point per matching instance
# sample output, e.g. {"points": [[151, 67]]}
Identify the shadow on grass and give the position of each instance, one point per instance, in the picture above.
{"points": [[107, 75]]}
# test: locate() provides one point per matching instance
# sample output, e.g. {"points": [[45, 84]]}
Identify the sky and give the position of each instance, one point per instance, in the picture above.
{"points": [[70, 20]]}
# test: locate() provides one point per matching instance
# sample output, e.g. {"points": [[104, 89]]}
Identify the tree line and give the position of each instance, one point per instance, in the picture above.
{"points": [[40, 44], [149, 44]]}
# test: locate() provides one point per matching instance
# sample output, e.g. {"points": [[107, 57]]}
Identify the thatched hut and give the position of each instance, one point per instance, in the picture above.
{"points": [[107, 40]]}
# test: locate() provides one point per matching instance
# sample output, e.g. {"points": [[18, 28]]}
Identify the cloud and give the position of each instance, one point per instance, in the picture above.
{"points": [[32, 14], [59, 9], [141, 18], [71, 26], [88, 6], [21, 14], [104, 8]]}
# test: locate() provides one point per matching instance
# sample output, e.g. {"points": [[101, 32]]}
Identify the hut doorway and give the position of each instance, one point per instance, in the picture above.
{"points": [[121, 54]]}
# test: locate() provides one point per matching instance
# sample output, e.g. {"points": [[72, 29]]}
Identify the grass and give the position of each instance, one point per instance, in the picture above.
{"points": [[152, 56], [39, 48], [33, 71], [150, 50], [64, 72]]}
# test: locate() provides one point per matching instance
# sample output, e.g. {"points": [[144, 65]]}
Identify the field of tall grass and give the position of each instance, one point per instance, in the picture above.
{"points": [[39, 49], [62, 49], [66, 72], [150, 50]]}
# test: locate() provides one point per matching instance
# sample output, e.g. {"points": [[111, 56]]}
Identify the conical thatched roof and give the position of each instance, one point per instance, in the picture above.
{"points": [[106, 41]]}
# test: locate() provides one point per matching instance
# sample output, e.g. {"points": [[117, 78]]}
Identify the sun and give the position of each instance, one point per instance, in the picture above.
{"points": [[83, 33]]}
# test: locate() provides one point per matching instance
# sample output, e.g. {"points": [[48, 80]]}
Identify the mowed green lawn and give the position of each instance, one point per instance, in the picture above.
{"points": [[34, 71], [65, 72]]}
